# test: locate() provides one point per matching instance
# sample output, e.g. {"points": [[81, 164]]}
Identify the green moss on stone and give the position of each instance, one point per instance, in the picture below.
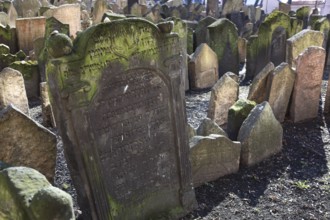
{"points": [[303, 12], [27, 68]]}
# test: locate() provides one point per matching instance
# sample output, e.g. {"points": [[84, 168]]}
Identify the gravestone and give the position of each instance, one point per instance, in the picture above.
{"points": [[31, 75], [323, 25], [224, 94], [299, 42], [281, 82], [303, 14], [27, 8], [296, 25], [212, 8], [203, 68], [12, 15], [258, 88], [67, 14], [230, 6], [261, 135], [307, 86], [29, 29], [26, 143], [201, 34], [270, 45], [180, 27], [100, 7], [12, 90], [236, 116], [223, 39], [8, 37], [4, 19], [208, 127], [242, 42], [212, 157], [119, 108], [283, 7]]}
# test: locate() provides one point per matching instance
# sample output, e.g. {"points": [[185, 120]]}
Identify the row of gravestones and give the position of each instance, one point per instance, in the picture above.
{"points": [[119, 106], [26, 193]]}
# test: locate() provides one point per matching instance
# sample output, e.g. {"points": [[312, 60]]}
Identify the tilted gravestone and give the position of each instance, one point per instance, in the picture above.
{"points": [[8, 37], [201, 34], [280, 85], [223, 38], [307, 86], [120, 111]]}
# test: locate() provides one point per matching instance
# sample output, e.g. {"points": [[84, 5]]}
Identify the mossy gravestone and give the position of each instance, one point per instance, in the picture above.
{"points": [[223, 38], [120, 112]]}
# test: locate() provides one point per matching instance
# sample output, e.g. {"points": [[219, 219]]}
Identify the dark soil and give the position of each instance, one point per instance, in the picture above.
{"points": [[294, 184]]}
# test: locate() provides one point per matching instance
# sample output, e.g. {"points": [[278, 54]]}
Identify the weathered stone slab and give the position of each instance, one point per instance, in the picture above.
{"points": [[258, 88], [236, 115], [261, 135], [212, 8], [100, 7], [30, 72], [26, 143], [8, 37], [208, 127], [270, 46], [47, 112], [212, 157], [298, 43], [242, 42], [26, 194], [12, 15], [303, 14], [27, 8], [29, 29], [323, 25], [307, 86], [223, 95], [203, 68], [201, 33], [118, 103], [281, 82], [191, 131], [12, 90], [67, 14], [223, 39], [230, 6]]}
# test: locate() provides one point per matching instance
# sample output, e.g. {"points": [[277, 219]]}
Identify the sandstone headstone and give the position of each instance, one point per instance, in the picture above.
{"points": [[212, 8], [281, 82], [212, 157], [126, 123], [67, 14], [236, 115], [203, 68], [307, 86], [100, 7], [258, 88], [261, 135], [26, 194], [30, 72], [26, 143], [208, 127], [223, 39], [12, 15], [29, 29], [298, 43], [223, 95], [12, 90]]}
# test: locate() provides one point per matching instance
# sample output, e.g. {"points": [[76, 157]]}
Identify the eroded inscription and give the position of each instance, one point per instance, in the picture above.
{"points": [[132, 124]]}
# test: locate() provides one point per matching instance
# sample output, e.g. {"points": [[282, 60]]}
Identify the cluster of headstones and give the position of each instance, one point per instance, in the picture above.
{"points": [[118, 95]]}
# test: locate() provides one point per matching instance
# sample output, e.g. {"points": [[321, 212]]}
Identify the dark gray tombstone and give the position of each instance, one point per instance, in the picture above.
{"points": [[278, 46], [120, 111]]}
